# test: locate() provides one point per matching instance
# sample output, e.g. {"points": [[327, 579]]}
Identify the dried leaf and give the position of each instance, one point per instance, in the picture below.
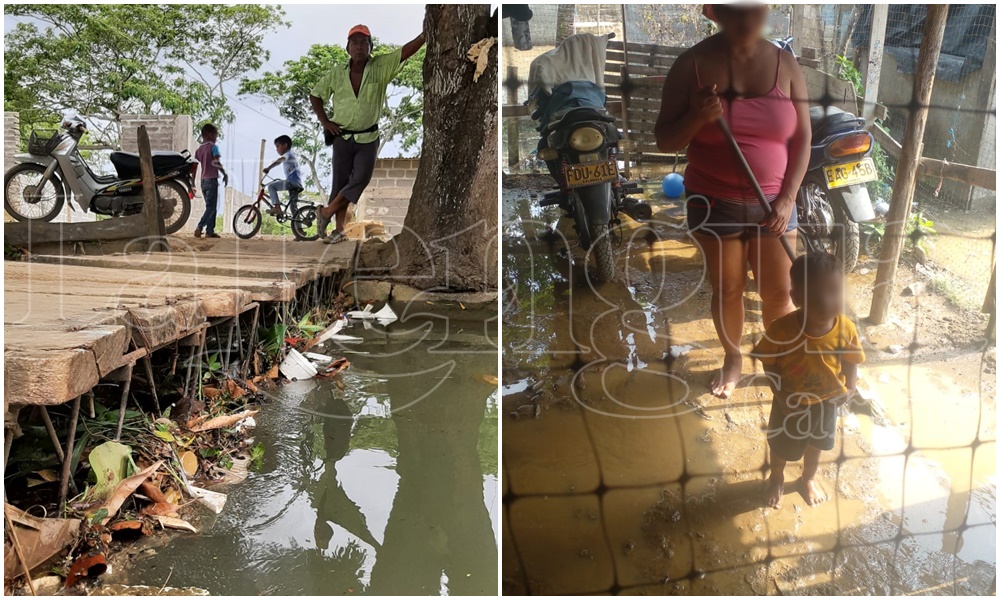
{"points": [[490, 379], [223, 421], [166, 436], [125, 489], [175, 523]]}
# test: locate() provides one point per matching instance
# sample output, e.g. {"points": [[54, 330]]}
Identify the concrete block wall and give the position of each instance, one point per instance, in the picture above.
{"points": [[387, 197], [166, 133]]}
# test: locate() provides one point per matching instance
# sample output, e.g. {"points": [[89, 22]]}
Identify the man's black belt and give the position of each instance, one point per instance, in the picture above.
{"points": [[329, 137]]}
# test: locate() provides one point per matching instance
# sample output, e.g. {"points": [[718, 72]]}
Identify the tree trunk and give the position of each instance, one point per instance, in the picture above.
{"points": [[449, 238]]}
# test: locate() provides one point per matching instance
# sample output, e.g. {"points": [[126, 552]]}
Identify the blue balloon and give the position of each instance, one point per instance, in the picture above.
{"points": [[673, 185]]}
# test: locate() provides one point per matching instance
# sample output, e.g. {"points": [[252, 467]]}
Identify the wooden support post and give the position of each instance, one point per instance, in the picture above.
{"points": [[68, 457], [53, 436], [625, 92], [155, 232], [990, 304], [909, 160], [148, 364], [797, 24], [513, 135], [873, 66], [121, 407]]}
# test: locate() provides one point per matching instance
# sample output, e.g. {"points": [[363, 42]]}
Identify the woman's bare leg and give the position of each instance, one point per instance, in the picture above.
{"points": [[726, 262], [772, 270]]}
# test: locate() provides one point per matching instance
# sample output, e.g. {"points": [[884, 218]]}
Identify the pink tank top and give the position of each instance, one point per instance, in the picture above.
{"points": [[762, 126]]}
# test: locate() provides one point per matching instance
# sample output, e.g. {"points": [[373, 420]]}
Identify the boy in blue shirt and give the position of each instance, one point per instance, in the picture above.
{"points": [[292, 183]]}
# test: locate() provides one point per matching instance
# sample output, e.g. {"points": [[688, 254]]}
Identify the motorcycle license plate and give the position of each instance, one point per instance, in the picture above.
{"points": [[591, 173], [851, 173]]}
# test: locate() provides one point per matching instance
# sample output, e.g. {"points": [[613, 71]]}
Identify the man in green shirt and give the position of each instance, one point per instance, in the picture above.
{"points": [[358, 90]]}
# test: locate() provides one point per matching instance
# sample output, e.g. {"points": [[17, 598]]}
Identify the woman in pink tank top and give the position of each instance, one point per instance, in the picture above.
{"points": [[739, 76]]}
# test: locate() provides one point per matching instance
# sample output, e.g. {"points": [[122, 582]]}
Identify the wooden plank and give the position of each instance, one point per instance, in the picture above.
{"points": [[931, 167], [872, 69], [637, 48], [30, 233], [649, 60], [152, 215], [975, 176]]}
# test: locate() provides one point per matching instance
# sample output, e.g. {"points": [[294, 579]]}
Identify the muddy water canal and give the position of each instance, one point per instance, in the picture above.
{"points": [[382, 482], [622, 474]]}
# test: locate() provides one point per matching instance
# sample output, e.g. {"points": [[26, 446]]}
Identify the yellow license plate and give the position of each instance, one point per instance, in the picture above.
{"points": [[852, 173], [591, 173]]}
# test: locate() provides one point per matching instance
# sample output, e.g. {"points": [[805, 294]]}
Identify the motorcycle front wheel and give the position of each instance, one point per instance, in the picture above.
{"points": [[22, 198], [827, 226], [246, 222], [175, 205]]}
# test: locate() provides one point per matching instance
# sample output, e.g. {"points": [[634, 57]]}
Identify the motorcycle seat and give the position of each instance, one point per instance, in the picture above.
{"points": [[127, 163], [831, 120], [578, 114]]}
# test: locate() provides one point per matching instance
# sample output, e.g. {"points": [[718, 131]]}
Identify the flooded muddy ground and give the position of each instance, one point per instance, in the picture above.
{"points": [[621, 474], [382, 481]]}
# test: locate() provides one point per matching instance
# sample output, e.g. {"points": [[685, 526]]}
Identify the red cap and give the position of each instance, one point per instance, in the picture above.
{"points": [[359, 29], [709, 11]]}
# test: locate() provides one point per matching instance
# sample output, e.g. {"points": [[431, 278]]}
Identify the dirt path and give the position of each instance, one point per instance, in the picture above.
{"points": [[622, 475]]}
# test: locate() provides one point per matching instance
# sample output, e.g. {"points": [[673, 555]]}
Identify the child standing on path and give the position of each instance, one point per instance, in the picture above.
{"points": [[811, 359], [292, 183], [211, 165]]}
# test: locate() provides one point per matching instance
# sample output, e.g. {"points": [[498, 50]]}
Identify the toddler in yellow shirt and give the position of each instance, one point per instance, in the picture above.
{"points": [[810, 357]]}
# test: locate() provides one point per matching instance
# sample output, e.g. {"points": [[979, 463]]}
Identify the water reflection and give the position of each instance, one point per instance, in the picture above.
{"points": [[384, 482]]}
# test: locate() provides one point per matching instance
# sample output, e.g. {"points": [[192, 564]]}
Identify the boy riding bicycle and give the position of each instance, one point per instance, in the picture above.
{"points": [[292, 183]]}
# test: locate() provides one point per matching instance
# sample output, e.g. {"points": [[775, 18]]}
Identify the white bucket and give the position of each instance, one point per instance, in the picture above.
{"points": [[296, 366]]}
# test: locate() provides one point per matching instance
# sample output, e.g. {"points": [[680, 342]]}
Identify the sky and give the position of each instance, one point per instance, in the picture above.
{"points": [[309, 24]]}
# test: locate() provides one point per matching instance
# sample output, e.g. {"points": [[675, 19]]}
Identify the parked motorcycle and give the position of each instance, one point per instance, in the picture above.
{"points": [[579, 145], [36, 188], [833, 199]]}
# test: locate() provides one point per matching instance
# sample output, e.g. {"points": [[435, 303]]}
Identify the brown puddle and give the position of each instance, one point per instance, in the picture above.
{"points": [[622, 475]]}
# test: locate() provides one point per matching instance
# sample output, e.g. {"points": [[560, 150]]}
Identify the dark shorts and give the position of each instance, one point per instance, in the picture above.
{"points": [[788, 433], [353, 165], [708, 214]]}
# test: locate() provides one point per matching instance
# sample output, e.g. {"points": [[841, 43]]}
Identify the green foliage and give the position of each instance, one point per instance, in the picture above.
{"points": [[882, 187], [106, 60], [848, 72], [257, 457], [12, 252], [289, 89], [274, 339]]}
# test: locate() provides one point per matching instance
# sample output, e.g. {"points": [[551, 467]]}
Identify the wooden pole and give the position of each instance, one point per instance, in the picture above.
{"points": [[625, 92], [17, 549], [873, 67], [155, 232], [513, 135], [68, 455], [909, 161]]}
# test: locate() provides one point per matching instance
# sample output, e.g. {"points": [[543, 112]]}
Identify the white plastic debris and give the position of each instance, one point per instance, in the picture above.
{"points": [[296, 366], [679, 351], [213, 500], [320, 358], [384, 316]]}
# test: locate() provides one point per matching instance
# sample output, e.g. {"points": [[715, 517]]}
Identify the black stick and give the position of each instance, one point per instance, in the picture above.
{"points": [[753, 181]]}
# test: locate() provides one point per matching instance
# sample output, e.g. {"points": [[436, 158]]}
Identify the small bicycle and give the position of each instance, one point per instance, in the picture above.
{"points": [[249, 218]]}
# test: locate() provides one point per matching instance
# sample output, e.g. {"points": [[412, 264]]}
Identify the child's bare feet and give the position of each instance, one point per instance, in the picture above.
{"points": [[775, 489], [813, 492], [725, 380]]}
